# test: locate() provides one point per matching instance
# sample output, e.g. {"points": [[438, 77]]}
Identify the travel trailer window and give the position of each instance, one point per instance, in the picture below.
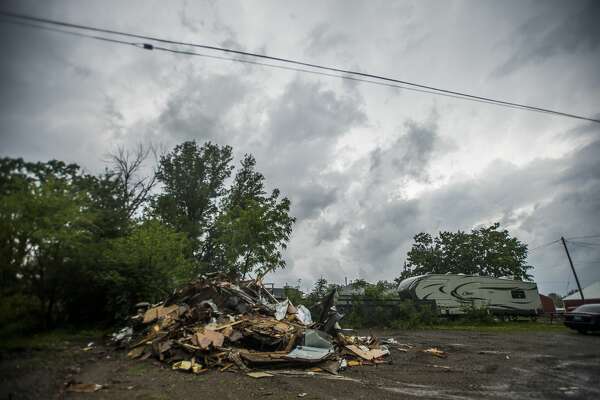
{"points": [[517, 293]]}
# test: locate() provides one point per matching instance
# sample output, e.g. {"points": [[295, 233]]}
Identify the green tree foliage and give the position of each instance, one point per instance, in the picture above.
{"points": [[487, 251], [75, 247], [193, 179], [379, 306], [294, 294], [67, 243], [46, 221], [252, 228], [145, 265]]}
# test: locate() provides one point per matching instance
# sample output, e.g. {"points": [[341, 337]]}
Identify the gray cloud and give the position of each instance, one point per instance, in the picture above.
{"points": [[322, 38], [538, 202], [365, 167], [304, 125], [329, 231], [310, 199], [381, 233], [201, 108], [541, 37], [409, 155]]}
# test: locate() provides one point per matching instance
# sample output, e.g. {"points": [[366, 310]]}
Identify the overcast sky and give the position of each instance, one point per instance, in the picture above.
{"points": [[366, 167]]}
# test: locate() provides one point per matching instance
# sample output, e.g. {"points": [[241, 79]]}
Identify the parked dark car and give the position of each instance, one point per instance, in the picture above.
{"points": [[584, 318]]}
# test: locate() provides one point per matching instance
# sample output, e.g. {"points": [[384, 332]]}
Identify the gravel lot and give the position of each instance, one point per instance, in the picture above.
{"points": [[552, 364]]}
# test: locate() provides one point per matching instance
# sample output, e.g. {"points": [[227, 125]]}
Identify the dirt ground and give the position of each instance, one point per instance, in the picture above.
{"points": [[553, 364]]}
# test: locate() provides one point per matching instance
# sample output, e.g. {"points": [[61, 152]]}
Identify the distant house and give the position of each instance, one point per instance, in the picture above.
{"points": [[591, 295]]}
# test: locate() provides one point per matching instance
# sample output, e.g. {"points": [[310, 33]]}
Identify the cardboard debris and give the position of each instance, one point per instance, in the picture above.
{"points": [[240, 326], [436, 352], [208, 338], [158, 312], [366, 353], [84, 387], [136, 352], [444, 367], [182, 365], [258, 375]]}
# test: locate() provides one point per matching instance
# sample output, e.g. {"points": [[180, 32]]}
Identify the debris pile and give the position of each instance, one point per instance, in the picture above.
{"points": [[214, 323]]}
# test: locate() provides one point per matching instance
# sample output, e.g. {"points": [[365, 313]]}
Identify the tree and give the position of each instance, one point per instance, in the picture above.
{"points": [[145, 265], [359, 284], [486, 251], [319, 290], [251, 228], [60, 227], [126, 168], [193, 180], [46, 222]]}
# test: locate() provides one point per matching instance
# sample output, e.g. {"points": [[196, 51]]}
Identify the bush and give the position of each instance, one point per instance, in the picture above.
{"points": [[406, 314], [19, 314], [476, 315]]}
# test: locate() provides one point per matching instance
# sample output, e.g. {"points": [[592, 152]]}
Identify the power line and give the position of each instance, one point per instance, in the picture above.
{"points": [[544, 245], [585, 244], [434, 90], [72, 33], [246, 61], [347, 77], [584, 237]]}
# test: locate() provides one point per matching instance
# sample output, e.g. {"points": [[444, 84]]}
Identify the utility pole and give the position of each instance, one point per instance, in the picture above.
{"points": [[572, 267]]}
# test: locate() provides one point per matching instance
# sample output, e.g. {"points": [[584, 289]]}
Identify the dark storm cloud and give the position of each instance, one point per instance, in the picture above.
{"points": [[308, 114], [538, 202], [574, 211], [200, 108], [50, 100], [304, 125], [333, 148], [311, 199], [542, 37], [329, 231], [410, 154], [386, 226]]}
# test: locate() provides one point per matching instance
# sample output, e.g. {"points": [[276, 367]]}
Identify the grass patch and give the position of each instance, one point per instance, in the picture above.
{"points": [[508, 327], [50, 340]]}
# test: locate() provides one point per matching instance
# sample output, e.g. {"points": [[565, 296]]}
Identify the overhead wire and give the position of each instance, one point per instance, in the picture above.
{"points": [[347, 77], [148, 46], [583, 237], [584, 244], [432, 89], [72, 33], [544, 245]]}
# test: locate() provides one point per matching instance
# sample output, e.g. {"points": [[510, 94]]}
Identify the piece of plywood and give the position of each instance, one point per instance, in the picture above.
{"points": [[208, 337], [366, 354], [259, 374]]}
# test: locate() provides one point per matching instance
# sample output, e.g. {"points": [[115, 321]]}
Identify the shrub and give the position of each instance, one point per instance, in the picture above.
{"points": [[19, 314], [476, 315], [405, 314]]}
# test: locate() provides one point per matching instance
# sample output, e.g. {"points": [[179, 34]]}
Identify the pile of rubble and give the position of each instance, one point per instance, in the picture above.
{"points": [[214, 323]]}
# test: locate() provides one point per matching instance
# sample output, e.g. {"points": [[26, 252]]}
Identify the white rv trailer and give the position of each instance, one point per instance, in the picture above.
{"points": [[452, 294]]}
